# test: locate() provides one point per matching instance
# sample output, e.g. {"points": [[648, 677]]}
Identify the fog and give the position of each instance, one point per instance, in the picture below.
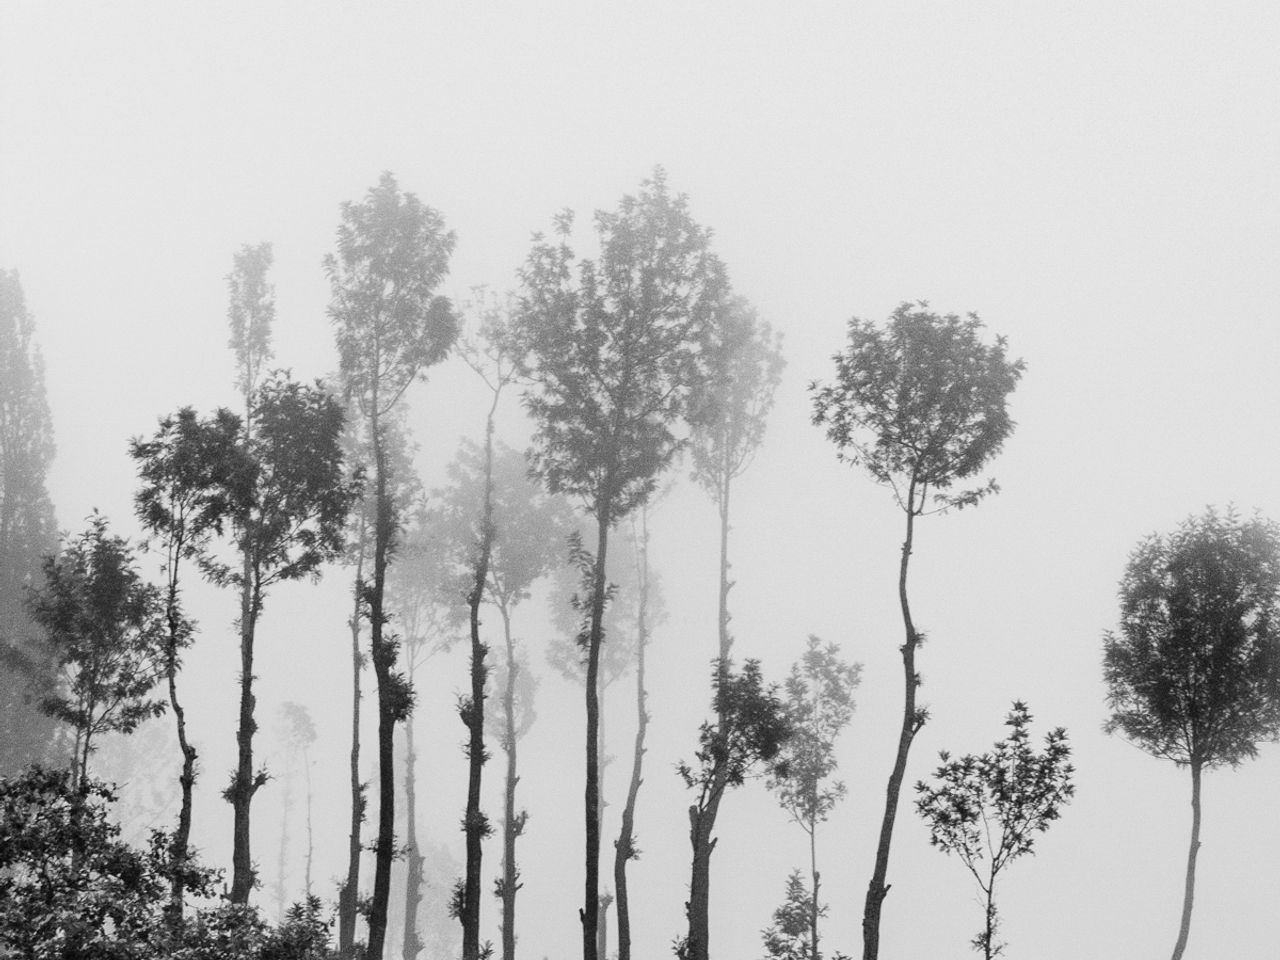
{"points": [[1097, 183]]}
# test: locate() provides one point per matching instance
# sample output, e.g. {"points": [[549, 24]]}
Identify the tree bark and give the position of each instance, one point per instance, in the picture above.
{"points": [[590, 913], [702, 821], [813, 900], [624, 849], [512, 826], [1184, 930], [384, 657], [877, 889], [475, 824], [182, 835], [350, 890], [412, 944], [244, 784]]}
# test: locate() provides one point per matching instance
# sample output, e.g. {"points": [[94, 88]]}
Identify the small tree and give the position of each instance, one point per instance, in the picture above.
{"points": [[390, 326], [288, 507], [108, 626], [819, 704], [988, 809], [187, 469], [750, 729], [1193, 676], [922, 405], [613, 354]]}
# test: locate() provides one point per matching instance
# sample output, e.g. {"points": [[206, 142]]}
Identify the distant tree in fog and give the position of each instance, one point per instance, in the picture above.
{"points": [[391, 326], [296, 734], [1193, 675], [988, 808], [187, 471], [288, 508], [108, 627], [612, 347], [750, 729], [251, 311], [28, 532], [819, 704], [921, 405]]}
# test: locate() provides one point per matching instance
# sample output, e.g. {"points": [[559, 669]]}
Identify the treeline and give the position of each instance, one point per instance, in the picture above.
{"points": [[627, 363]]}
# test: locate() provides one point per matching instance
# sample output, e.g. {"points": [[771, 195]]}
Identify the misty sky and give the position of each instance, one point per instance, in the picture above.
{"points": [[1097, 180]]}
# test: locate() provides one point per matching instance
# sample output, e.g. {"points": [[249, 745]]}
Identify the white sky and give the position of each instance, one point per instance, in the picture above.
{"points": [[1097, 180]]}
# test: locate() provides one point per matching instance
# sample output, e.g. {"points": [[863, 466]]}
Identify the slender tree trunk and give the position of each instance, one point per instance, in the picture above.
{"points": [[590, 913], [389, 707], [813, 900], [989, 931], [602, 921], [702, 821], [726, 640], [286, 803], [512, 825], [245, 783], [412, 945], [306, 766], [182, 835], [350, 890], [624, 849], [476, 825], [1184, 930], [877, 890]]}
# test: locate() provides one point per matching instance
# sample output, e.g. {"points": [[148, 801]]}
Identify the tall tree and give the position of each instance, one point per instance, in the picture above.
{"points": [[921, 405], [750, 728], [819, 703], [647, 613], [288, 509], [187, 470], [251, 313], [987, 809], [108, 626], [296, 733], [613, 347], [27, 533], [390, 325], [1193, 675], [744, 366]]}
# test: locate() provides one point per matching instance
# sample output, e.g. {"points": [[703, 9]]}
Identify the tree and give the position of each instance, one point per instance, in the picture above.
{"points": [[921, 405], [991, 806], [730, 413], [108, 626], [187, 469], [819, 704], [750, 729], [289, 501], [251, 312], [390, 326], [612, 353], [296, 733], [1193, 675], [27, 533], [790, 936]]}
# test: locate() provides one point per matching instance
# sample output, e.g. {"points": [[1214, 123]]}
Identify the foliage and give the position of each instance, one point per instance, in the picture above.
{"points": [[732, 402], [251, 312], [390, 325], [108, 626], [752, 727], [789, 936], [71, 890], [27, 533], [990, 807], [1194, 673], [819, 705], [615, 351], [921, 403]]}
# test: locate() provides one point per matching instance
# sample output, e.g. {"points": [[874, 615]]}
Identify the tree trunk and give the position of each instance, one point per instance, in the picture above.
{"points": [[412, 944], [877, 890], [624, 849], [349, 893], [813, 900], [590, 913], [244, 785], [475, 824], [182, 835], [1188, 897], [512, 826], [389, 707], [306, 766], [702, 820]]}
